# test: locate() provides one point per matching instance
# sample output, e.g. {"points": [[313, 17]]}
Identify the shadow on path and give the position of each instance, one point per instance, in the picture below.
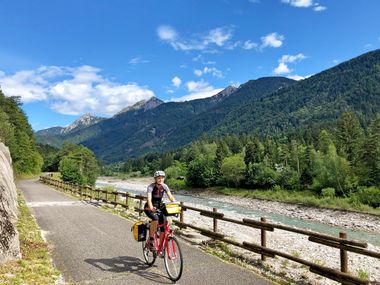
{"points": [[128, 264]]}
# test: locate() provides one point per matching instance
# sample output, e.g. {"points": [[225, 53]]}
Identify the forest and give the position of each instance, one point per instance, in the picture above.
{"points": [[343, 161]]}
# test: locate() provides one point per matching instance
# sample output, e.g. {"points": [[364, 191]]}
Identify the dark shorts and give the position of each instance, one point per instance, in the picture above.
{"points": [[160, 217]]}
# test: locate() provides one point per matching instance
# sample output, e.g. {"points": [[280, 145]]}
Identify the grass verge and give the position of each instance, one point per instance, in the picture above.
{"points": [[36, 266]]}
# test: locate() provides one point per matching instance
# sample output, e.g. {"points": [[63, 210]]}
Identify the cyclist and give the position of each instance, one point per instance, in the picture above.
{"points": [[155, 192]]}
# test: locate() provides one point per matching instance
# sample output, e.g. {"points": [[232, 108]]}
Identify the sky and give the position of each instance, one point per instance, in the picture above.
{"points": [[65, 58]]}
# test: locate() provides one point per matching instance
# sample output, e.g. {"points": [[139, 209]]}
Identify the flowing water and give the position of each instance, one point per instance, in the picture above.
{"points": [[230, 209]]}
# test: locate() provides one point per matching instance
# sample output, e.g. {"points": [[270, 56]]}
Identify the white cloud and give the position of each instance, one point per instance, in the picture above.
{"points": [[198, 90], [209, 70], [272, 40], [305, 4], [167, 33], [282, 68], [319, 8], [249, 45], [292, 58], [209, 41], [335, 61], [298, 3], [138, 60], [176, 81], [198, 72], [296, 77], [73, 90]]}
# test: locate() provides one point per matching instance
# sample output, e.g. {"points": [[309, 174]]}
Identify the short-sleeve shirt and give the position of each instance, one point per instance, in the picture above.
{"points": [[157, 192]]}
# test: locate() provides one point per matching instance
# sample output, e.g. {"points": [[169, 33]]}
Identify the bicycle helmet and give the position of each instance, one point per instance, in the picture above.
{"points": [[159, 173]]}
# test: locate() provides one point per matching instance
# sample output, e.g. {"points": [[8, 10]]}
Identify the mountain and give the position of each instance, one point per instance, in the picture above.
{"points": [[56, 135], [316, 101], [266, 106], [152, 103], [169, 125]]}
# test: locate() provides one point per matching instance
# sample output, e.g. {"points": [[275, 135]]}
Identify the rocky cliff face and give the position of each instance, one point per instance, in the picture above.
{"points": [[9, 239]]}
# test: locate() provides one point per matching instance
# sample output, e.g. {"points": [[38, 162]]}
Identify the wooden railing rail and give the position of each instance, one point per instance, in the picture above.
{"points": [[341, 242]]}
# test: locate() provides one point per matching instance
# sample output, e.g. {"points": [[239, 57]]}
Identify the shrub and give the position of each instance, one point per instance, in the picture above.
{"points": [[328, 192], [369, 196]]}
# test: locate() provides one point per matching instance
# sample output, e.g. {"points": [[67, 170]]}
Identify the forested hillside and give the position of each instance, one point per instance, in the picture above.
{"points": [[319, 100], [342, 162], [17, 134]]}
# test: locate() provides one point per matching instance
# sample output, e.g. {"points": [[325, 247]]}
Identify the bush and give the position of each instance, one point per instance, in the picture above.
{"points": [[369, 196], [328, 192], [176, 184], [261, 176]]}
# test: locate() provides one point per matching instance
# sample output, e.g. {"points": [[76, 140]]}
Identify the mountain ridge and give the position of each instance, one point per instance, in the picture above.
{"points": [[265, 106]]}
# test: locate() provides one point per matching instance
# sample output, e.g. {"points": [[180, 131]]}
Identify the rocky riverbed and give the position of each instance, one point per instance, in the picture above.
{"points": [[351, 220], [291, 243]]}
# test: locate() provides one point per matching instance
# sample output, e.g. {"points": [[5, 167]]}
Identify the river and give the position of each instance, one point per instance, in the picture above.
{"points": [[229, 209]]}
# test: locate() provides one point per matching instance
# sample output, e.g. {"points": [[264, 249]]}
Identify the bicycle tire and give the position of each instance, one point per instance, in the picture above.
{"points": [[173, 259], [149, 256]]}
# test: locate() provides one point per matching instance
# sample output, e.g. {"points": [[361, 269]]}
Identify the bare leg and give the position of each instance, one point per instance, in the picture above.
{"points": [[153, 228]]}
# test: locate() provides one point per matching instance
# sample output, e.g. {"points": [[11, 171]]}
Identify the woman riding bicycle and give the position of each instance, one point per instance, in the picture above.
{"points": [[155, 192]]}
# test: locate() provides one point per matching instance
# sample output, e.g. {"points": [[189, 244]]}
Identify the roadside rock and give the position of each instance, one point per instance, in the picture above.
{"points": [[9, 238]]}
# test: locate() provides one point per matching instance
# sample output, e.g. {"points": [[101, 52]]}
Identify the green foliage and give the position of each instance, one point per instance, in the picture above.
{"points": [[17, 134], [369, 196], [261, 176], [200, 172], [79, 166], [178, 169], [350, 137], [232, 170], [331, 170], [328, 192]]}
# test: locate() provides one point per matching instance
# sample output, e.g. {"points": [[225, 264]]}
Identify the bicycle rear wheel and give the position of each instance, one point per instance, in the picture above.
{"points": [[173, 259], [149, 255]]}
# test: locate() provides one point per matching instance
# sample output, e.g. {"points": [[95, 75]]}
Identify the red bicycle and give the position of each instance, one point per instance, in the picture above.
{"points": [[170, 250]]}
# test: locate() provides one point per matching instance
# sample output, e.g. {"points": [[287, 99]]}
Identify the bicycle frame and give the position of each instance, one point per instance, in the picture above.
{"points": [[167, 233]]}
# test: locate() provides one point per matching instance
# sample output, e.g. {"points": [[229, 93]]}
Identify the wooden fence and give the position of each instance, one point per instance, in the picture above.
{"points": [[342, 243]]}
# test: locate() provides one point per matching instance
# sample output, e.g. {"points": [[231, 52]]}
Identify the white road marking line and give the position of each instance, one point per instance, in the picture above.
{"points": [[56, 204]]}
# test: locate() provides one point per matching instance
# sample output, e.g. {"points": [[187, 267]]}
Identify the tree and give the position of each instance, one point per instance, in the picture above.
{"points": [[254, 152], [370, 158], [350, 137], [6, 129], [80, 166], [260, 175], [331, 170], [18, 135], [200, 172], [232, 170]]}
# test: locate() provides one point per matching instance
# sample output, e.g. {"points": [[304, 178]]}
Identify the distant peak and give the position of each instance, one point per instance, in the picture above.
{"points": [[84, 121], [225, 93], [145, 105]]}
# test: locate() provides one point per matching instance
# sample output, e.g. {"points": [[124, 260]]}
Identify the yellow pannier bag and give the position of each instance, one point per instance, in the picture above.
{"points": [[172, 209], [139, 231]]}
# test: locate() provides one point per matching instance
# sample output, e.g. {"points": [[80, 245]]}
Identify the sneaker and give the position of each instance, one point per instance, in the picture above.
{"points": [[151, 245]]}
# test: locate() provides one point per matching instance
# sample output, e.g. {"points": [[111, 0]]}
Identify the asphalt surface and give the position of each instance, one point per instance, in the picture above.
{"points": [[91, 246]]}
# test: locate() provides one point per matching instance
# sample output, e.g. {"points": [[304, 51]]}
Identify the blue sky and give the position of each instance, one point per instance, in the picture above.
{"points": [[68, 57]]}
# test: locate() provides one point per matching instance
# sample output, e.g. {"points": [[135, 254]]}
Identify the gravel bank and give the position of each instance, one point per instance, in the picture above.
{"points": [[290, 243]]}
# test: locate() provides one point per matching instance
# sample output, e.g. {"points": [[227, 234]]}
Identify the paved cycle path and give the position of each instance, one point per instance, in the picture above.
{"points": [[91, 246]]}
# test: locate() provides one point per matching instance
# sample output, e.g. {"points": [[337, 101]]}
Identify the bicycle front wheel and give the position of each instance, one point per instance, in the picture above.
{"points": [[149, 255], [173, 259]]}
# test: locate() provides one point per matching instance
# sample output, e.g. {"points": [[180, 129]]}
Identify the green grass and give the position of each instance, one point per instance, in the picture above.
{"points": [[306, 198], [35, 267]]}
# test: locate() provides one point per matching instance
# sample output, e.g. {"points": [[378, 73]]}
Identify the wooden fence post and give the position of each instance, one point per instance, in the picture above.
{"points": [[263, 239], [215, 221], [140, 206], [181, 214], [126, 200], [343, 256]]}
